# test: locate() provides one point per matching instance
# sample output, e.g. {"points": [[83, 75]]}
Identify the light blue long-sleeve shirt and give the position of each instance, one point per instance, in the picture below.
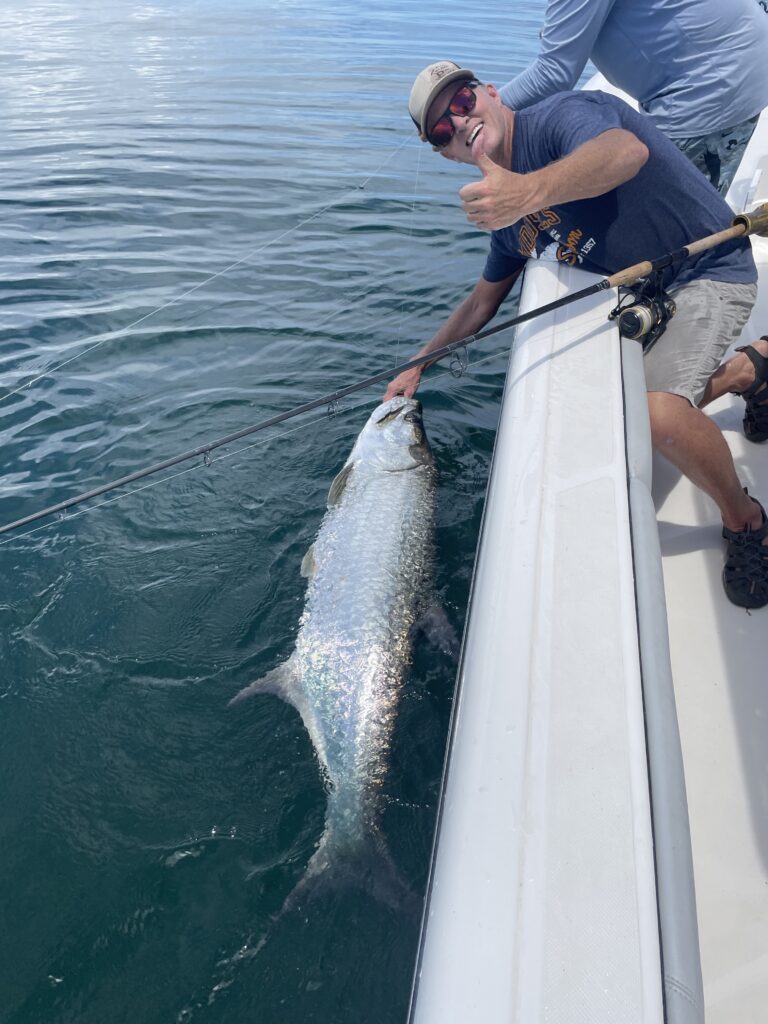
{"points": [[694, 65]]}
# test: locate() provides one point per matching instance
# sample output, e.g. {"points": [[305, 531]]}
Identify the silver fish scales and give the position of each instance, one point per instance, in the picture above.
{"points": [[369, 573]]}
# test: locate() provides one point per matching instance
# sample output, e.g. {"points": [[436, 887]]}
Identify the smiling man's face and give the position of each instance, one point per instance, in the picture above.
{"points": [[482, 130]]}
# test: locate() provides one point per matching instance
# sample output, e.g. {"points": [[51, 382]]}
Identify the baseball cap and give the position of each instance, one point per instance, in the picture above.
{"points": [[428, 84]]}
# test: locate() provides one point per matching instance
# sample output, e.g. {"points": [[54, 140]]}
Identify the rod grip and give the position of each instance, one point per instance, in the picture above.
{"points": [[755, 222]]}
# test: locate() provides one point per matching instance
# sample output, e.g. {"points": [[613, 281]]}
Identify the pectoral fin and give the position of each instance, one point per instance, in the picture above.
{"points": [[339, 484], [280, 682], [308, 564], [438, 630], [285, 682]]}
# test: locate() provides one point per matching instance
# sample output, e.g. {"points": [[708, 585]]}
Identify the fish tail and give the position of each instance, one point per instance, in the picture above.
{"points": [[366, 865], [381, 877]]}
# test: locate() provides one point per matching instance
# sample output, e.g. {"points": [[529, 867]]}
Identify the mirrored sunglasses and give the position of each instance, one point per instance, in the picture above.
{"points": [[462, 104]]}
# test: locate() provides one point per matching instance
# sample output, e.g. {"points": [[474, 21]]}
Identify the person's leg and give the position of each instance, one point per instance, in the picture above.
{"points": [[695, 444], [746, 375], [734, 376], [683, 371]]}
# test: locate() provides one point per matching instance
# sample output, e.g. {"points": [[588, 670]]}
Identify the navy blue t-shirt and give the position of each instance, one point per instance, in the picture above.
{"points": [[667, 204]]}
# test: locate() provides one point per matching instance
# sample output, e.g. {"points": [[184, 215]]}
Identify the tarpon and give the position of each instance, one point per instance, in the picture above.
{"points": [[369, 572]]}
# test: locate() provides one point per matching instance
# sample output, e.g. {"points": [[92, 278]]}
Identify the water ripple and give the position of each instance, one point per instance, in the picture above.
{"points": [[188, 249]]}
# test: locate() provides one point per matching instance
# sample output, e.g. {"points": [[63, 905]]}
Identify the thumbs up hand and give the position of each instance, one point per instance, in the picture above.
{"points": [[500, 199]]}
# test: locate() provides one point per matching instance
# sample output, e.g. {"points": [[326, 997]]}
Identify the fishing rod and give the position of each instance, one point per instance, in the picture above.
{"points": [[755, 222]]}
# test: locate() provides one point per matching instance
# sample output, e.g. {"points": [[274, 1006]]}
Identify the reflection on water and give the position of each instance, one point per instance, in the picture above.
{"points": [[188, 250]]}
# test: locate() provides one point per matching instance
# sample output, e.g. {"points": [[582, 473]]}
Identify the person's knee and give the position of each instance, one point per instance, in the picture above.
{"points": [[665, 412]]}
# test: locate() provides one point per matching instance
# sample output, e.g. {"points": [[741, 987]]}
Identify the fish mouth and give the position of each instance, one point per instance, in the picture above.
{"points": [[389, 411]]}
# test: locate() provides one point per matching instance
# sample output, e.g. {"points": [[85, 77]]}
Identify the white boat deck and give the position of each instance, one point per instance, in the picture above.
{"points": [[720, 667]]}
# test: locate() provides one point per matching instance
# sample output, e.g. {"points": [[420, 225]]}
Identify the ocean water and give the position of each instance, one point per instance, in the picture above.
{"points": [[212, 213]]}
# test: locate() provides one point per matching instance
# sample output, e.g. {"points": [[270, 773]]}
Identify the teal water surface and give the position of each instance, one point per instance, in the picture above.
{"points": [[212, 213]]}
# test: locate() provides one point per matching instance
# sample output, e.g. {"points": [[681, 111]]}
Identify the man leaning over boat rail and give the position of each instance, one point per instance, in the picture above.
{"points": [[698, 68], [597, 186]]}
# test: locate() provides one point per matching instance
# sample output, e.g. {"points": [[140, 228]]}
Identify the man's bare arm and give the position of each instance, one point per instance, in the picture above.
{"points": [[480, 306], [596, 167]]}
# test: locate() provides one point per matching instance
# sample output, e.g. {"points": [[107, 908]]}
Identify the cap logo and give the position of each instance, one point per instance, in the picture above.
{"points": [[438, 71]]}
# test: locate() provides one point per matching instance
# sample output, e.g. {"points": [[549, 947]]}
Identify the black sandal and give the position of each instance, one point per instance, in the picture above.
{"points": [[756, 413], [745, 573]]}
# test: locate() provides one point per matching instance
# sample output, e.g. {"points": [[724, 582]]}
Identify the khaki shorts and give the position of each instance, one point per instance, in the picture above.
{"points": [[710, 316]]}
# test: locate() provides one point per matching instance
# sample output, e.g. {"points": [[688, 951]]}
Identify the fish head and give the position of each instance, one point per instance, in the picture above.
{"points": [[394, 439]]}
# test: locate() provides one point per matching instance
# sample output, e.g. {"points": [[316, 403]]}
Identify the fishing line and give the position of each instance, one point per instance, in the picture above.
{"points": [[372, 285], [409, 236], [328, 401], [439, 378], [206, 464], [112, 335]]}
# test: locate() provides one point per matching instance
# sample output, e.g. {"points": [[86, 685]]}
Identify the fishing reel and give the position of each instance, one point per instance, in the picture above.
{"points": [[644, 311]]}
